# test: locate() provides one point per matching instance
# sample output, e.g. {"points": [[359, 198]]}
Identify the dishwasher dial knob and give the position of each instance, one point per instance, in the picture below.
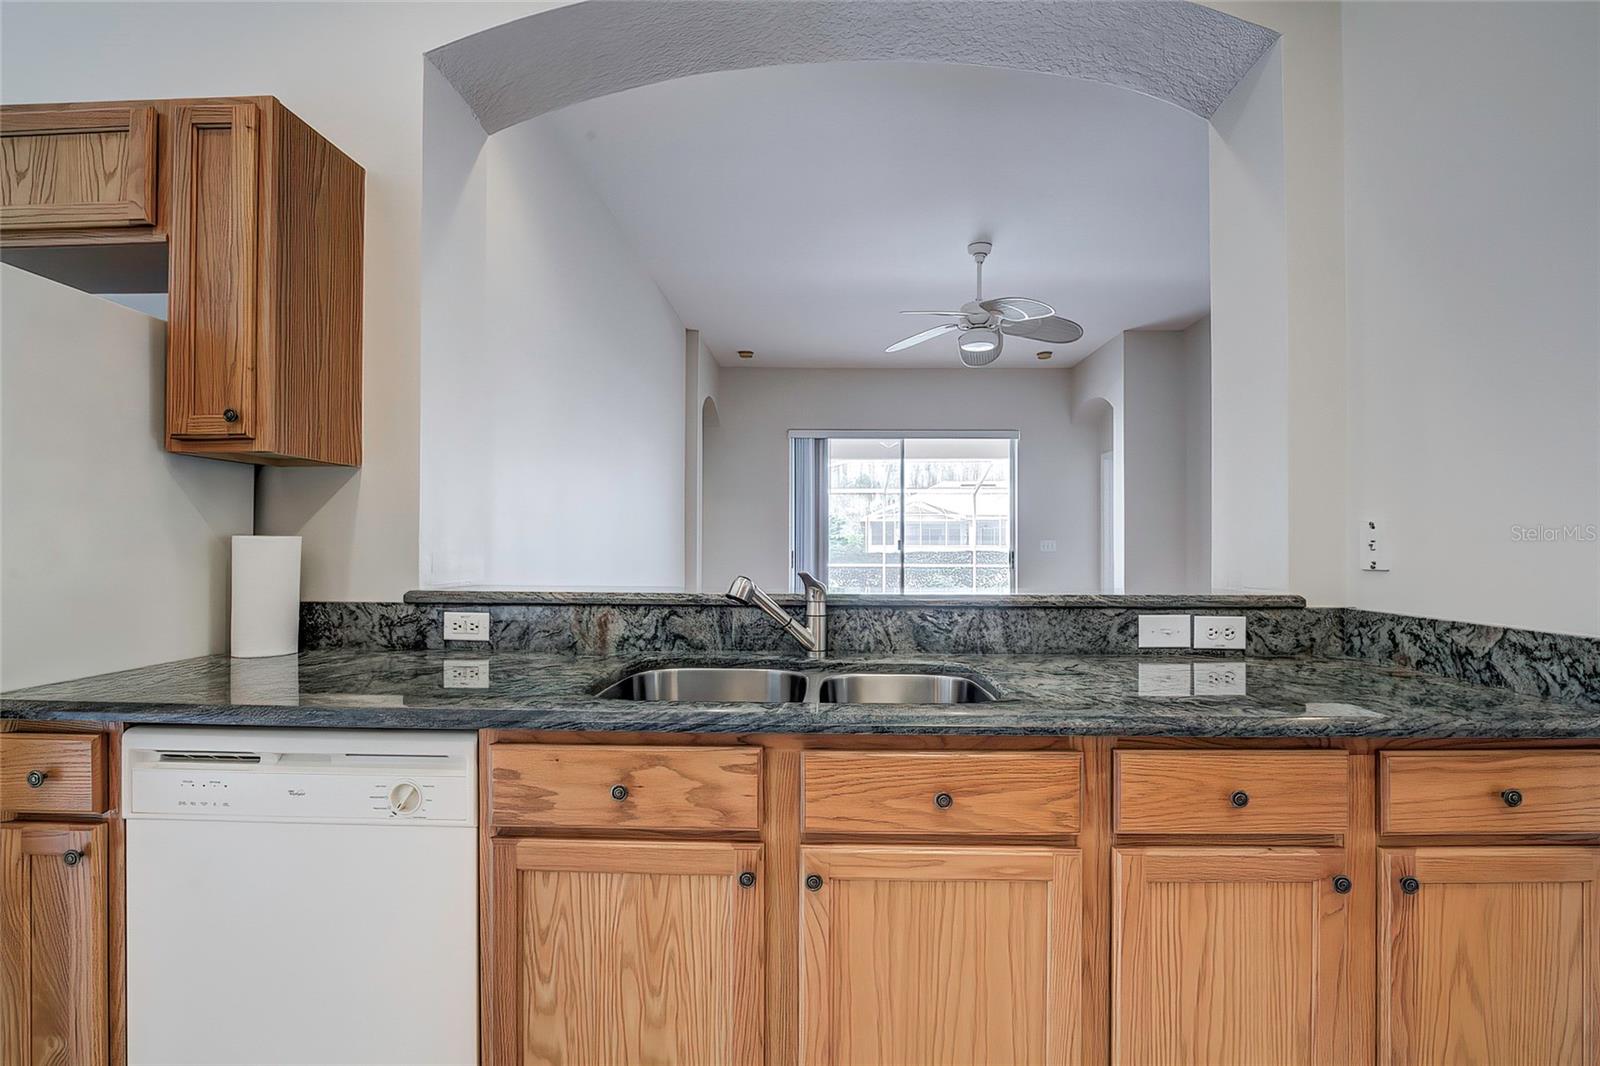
{"points": [[405, 798]]}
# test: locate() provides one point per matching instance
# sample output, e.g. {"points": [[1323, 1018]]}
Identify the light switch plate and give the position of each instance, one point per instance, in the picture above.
{"points": [[1164, 679], [1047, 546], [1163, 631], [1219, 631], [466, 625], [1372, 547]]}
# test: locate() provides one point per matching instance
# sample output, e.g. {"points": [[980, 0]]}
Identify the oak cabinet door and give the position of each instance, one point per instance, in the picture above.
{"points": [[54, 972], [1490, 956], [625, 952], [1231, 955], [77, 168], [212, 272], [940, 955]]}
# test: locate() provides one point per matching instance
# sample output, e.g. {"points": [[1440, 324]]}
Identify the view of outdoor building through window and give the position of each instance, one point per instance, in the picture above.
{"points": [[920, 515]]}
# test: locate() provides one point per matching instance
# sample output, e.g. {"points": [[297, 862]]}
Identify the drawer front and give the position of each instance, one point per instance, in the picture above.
{"points": [[972, 793], [569, 786], [1231, 792], [52, 773], [1490, 791]]}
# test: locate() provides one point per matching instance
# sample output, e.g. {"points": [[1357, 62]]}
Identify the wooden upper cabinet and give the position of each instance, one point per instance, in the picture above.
{"points": [[1490, 955], [262, 223], [66, 168], [959, 955], [1232, 955], [608, 952], [54, 970]]}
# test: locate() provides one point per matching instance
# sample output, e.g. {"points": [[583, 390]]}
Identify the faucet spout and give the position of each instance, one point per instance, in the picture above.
{"points": [[813, 634]]}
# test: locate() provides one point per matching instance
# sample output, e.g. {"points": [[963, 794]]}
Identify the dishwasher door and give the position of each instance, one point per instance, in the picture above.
{"points": [[294, 907]]}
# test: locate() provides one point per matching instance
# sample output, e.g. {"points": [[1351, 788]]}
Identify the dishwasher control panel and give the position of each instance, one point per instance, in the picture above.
{"points": [[164, 779]]}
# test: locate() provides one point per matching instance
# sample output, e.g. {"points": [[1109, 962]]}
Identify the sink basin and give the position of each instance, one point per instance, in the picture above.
{"points": [[711, 685], [903, 688]]}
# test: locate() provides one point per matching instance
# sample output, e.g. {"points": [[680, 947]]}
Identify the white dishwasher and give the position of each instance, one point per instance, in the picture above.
{"points": [[301, 897]]}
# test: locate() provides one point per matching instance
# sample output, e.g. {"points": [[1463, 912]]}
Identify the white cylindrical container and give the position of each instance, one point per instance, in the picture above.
{"points": [[266, 597]]}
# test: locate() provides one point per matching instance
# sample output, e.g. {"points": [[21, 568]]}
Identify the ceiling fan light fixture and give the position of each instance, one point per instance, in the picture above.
{"points": [[980, 346]]}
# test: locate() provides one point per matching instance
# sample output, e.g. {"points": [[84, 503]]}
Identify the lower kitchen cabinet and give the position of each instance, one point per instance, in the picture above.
{"points": [[55, 972], [940, 955], [1231, 955], [612, 952], [1490, 955]]}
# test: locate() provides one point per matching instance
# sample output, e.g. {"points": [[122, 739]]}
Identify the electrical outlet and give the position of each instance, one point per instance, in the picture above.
{"points": [[1164, 679], [1219, 631], [466, 625], [1219, 679], [466, 673], [1163, 631], [1372, 549]]}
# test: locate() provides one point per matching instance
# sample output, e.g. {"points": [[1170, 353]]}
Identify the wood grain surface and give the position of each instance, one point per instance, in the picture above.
{"points": [[1462, 791], [1290, 792]]}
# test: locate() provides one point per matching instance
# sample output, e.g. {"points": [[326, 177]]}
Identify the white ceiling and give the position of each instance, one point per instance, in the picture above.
{"points": [[795, 210]]}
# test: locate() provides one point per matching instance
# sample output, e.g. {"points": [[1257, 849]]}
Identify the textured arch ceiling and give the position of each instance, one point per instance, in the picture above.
{"points": [[1186, 54]]}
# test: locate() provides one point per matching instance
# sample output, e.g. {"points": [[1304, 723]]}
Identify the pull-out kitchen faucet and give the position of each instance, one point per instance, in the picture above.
{"points": [[813, 634]]}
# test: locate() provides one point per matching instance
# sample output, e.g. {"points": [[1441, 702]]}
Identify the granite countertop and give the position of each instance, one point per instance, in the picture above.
{"points": [[490, 597], [1040, 695]]}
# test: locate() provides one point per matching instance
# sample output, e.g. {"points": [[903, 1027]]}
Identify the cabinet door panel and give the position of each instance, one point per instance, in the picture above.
{"points": [[625, 952], [211, 329], [77, 168], [54, 973], [1493, 958], [1230, 955], [941, 955]]}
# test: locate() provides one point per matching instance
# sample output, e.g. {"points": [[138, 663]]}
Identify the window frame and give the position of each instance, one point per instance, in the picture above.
{"points": [[903, 435]]}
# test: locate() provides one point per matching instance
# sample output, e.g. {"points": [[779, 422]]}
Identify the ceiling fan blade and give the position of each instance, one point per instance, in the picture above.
{"points": [[1017, 308], [1051, 330], [945, 314], [918, 338]]}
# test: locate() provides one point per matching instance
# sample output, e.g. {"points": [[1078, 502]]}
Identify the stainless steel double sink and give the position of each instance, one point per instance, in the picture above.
{"points": [[741, 684]]}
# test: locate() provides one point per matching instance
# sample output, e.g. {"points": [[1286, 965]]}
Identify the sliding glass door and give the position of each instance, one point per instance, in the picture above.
{"points": [[928, 514]]}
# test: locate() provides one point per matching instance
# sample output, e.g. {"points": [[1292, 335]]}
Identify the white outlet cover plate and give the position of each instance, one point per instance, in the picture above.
{"points": [[466, 625], [466, 673], [1163, 631], [1219, 679], [1372, 547], [1219, 631]]}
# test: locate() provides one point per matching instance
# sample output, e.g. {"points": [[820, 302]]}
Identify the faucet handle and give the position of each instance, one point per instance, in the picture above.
{"points": [[811, 584]]}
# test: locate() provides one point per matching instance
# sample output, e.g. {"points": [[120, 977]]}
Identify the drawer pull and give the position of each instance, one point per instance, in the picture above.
{"points": [[1409, 885], [36, 778], [943, 801], [747, 879], [72, 857], [230, 415], [1342, 885], [1511, 797], [1240, 798], [619, 792], [813, 881]]}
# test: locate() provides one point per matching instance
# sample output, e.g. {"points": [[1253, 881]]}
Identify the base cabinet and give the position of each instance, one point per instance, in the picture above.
{"points": [[55, 972], [940, 955], [1230, 955], [1490, 955], [612, 952]]}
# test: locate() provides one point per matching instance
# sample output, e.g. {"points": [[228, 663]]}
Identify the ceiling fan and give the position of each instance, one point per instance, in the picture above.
{"points": [[985, 324]]}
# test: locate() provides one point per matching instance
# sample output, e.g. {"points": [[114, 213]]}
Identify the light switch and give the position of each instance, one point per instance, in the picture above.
{"points": [[1047, 546]]}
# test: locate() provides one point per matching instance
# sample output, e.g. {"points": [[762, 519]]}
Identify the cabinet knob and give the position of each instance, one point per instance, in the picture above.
{"points": [[747, 879], [1342, 885], [36, 778], [1240, 798], [72, 857], [943, 800], [230, 415], [1511, 797], [813, 881], [1409, 885], [619, 792]]}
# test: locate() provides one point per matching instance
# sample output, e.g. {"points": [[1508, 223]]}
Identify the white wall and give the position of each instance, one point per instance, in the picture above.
{"points": [[700, 379], [1196, 400], [1098, 382], [113, 552], [1473, 202], [354, 72], [583, 418], [747, 459], [1155, 517]]}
